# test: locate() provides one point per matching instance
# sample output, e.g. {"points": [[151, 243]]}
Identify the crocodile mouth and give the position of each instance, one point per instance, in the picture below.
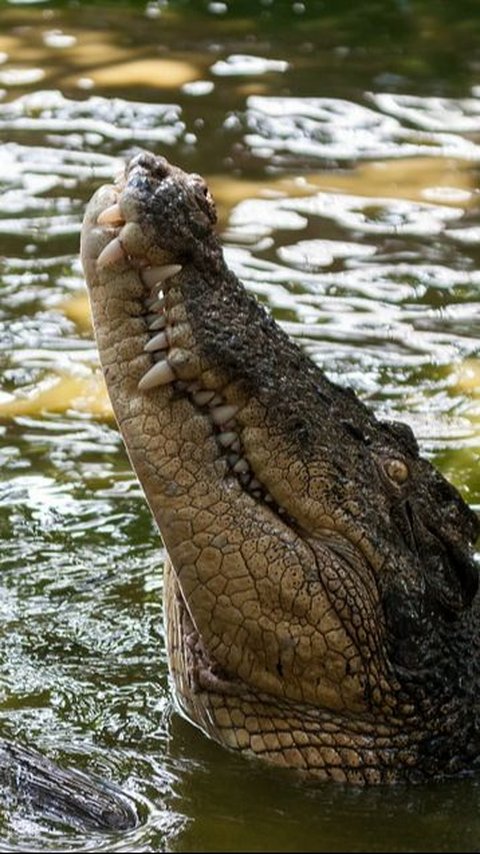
{"points": [[166, 332]]}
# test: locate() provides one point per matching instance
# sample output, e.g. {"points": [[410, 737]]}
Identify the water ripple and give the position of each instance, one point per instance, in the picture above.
{"points": [[93, 120], [288, 131], [444, 115]]}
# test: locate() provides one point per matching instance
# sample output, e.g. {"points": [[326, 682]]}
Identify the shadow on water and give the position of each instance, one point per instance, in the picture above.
{"points": [[342, 146]]}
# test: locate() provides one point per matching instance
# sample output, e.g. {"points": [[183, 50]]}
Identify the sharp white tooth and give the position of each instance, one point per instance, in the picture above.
{"points": [[160, 374], [216, 400], [151, 318], [158, 342], [153, 276], [227, 439], [222, 414], [112, 253], [201, 398], [241, 466], [111, 216], [159, 323], [254, 484], [193, 387], [155, 303]]}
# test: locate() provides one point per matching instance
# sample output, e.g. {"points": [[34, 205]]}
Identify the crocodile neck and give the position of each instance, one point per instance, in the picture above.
{"points": [[371, 749]]}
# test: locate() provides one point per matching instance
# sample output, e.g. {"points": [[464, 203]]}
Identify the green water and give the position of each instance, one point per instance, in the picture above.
{"points": [[342, 141]]}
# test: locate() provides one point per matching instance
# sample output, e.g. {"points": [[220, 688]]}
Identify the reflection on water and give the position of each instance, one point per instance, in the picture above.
{"points": [[295, 131], [345, 169]]}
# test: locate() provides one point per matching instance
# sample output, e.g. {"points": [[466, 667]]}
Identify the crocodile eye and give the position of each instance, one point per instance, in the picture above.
{"points": [[396, 470], [203, 197]]}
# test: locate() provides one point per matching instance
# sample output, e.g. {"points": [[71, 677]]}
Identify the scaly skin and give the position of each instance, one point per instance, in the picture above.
{"points": [[320, 590]]}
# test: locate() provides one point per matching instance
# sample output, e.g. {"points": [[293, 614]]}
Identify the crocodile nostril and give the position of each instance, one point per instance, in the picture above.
{"points": [[160, 167]]}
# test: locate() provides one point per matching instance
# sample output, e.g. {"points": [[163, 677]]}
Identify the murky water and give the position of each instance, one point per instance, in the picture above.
{"points": [[342, 142]]}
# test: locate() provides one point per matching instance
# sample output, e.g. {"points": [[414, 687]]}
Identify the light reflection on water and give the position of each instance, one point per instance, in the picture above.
{"points": [[351, 212], [298, 130]]}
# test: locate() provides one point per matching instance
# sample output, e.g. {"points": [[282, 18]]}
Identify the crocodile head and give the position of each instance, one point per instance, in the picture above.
{"points": [[320, 579]]}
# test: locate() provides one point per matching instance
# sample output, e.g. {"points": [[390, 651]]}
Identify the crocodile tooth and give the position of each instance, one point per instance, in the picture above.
{"points": [[155, 303], [111, 216], [158, 323], [255, 484], [153, 276], [152, 317], [193, 386], [222, 414], [201, 398], [241, 467], [158, 342], [112, 253], [227, 439], [160, 374]]}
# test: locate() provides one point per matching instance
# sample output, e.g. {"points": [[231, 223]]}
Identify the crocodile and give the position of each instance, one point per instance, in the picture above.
{"points": [[320, 581]]}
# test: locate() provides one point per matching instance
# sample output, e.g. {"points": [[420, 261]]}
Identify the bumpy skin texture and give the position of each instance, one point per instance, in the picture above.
{"points": [[320, 593]]}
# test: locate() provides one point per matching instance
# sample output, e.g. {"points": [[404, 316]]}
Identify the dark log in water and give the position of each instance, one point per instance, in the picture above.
{"points": [[30, 781]]}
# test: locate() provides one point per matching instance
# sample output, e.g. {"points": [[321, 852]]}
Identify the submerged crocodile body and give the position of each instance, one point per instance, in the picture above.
{"points": [[320, 591]]}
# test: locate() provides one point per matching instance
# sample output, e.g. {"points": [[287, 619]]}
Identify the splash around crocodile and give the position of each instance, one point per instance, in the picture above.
{"points": [[320, 591]]}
